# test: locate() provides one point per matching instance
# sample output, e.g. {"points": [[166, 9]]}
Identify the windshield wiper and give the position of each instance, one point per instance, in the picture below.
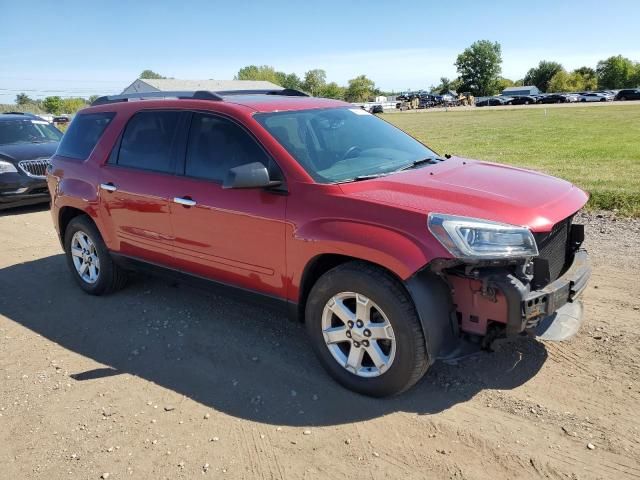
{"points": [[360, 178], [414, 164]]}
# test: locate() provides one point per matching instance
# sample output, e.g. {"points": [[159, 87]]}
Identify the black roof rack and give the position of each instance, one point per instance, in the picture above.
{"points": [[193, 95], [125, 97]]}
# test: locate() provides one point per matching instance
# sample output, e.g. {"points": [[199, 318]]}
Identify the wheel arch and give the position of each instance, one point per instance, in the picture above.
{"points": [[65, 215], [318, 266], [430, 295]]}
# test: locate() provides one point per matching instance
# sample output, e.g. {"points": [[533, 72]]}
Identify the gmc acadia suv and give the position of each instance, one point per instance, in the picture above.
{"points": [[392, 255]]}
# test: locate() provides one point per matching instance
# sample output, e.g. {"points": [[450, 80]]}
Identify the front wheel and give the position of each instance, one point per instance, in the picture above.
{"points": [[89, 260], [365, 330]]}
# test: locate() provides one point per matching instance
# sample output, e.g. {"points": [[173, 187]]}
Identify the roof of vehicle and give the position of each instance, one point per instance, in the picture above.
{"points": [[18, 116], [258, 100]]}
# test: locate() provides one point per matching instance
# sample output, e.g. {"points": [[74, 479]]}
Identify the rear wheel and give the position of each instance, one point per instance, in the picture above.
{"points": [[88, 258], [623, 98], [365, 330]]}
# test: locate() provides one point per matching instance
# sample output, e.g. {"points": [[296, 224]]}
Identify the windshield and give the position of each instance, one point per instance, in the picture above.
{"points": [[28, 131], [342, 144]]}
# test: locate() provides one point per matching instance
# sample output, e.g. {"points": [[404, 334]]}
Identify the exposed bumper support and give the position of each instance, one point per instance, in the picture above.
{"points": [[527, 309]]}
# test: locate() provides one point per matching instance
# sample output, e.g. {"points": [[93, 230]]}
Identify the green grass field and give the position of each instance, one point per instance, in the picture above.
{"points": [[597, 148]]}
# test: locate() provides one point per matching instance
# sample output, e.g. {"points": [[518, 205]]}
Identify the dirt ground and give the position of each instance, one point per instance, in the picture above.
{"points": [[164, 380]]}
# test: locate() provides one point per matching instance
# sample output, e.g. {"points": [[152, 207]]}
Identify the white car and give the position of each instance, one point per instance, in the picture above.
{"points": [[594, 97]]}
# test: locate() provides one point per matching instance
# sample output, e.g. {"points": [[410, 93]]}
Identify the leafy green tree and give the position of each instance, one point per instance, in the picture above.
{"points": [[150, 74], [635, 79], [53, 105], [479, 67], [93, 98], [589, 77], [575, 81], [333, 90], [262, 72], [444, 86], [23, 99], [616, 72], [288, 80], [72, 105], [560, 82], [314, 81], [360, 89], [504, 83], [542, 74]]}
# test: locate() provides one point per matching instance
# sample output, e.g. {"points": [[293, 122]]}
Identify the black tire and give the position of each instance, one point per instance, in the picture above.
{"points": [[111, 277], [411, 358], [623, 98]]}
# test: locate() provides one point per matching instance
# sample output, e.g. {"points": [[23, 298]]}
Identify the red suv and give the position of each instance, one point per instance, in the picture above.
{"points": [[392, 255]]}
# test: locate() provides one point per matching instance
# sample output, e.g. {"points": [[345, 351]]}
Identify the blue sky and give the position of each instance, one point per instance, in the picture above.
{"points": [[90, 47]]}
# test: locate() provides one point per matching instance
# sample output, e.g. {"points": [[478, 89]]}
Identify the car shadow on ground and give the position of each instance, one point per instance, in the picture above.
{"points": [[236, 357], [40, 207]]}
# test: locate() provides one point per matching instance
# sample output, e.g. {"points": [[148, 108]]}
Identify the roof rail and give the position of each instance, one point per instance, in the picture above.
{"points": [[285, 92], [125, 97], [19, 113], [194, 95]]}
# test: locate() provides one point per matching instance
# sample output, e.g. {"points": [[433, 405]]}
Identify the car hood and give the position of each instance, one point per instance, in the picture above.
{"points": [[27, 151], [476, 189]]}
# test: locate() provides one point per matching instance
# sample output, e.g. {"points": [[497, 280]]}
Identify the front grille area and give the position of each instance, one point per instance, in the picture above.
{"points": [[35, 168], [554, 247]]}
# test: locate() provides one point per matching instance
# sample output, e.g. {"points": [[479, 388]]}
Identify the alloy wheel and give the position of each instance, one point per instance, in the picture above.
{"points": [[358, 334], [85, 257]]}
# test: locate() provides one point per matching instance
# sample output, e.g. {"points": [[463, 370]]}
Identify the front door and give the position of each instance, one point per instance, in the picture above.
{"points": [[235, 236]]}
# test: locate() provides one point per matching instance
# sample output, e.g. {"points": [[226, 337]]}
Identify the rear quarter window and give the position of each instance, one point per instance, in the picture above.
{"points": [[83, 134]]}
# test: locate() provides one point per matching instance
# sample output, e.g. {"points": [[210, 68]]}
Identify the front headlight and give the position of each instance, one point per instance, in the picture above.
{"points": [[6, 167], [477, 239]]}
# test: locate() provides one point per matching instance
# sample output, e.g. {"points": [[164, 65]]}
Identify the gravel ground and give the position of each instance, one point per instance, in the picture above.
{"points": [[163, 380]]}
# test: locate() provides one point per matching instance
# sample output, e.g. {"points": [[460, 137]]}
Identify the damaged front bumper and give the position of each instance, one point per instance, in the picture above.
{"points": [[497, 298]]}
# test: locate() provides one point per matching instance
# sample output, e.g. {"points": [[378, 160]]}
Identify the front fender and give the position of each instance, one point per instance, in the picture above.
{"points": [[396, 251]]}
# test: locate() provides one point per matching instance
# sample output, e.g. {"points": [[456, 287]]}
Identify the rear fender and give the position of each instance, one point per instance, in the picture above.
{"points": [[79, 195]]}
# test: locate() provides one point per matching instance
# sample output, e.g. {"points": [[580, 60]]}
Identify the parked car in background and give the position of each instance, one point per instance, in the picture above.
{"points": [[555, 98], [26, 144], [524, 100], [391, 254], [61, 119], [594, 97], [628, 94], [377, 109], [492, 102]]}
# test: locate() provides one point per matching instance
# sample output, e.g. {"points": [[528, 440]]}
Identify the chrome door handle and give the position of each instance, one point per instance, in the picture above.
{"points": [[187, 202], [109, 187]]}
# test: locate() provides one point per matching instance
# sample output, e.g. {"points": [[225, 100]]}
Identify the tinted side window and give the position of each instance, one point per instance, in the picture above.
{"points": [[216, 145], [83, 134], [148, 141]]}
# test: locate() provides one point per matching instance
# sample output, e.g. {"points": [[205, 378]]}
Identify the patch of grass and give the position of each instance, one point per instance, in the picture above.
{"points": [[596, 148]]}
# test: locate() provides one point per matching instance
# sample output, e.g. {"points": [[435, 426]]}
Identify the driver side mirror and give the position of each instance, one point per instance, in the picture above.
{"points": [[249, 175]]}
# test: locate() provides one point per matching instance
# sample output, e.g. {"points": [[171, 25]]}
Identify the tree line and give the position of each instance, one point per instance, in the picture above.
{"points": [[479, 70], [358, 89], [480, 66]]}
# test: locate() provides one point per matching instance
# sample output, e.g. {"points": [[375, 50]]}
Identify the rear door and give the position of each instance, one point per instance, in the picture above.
{"points": [[136, 184], [235, 236]]}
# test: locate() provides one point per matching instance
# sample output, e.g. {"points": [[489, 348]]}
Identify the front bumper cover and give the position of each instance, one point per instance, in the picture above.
{"points": [[18, 189]]}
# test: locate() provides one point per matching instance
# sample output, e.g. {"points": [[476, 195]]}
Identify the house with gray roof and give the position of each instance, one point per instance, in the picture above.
{"points": [[146, 85]]}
